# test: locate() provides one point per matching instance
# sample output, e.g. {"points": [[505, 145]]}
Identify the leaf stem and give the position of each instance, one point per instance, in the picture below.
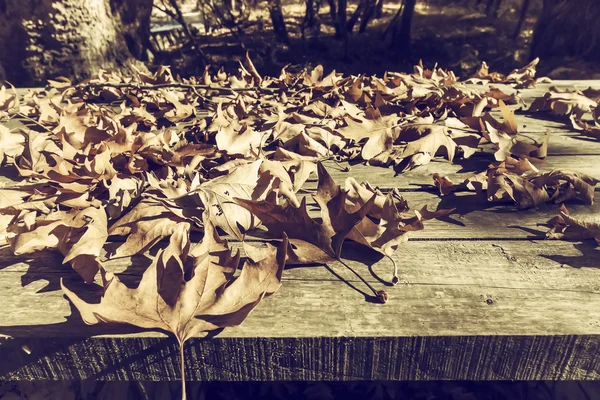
{"points": [[181, 355], [395, 278]]}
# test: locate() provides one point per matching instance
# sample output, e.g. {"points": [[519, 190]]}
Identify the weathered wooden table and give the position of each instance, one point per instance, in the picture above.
{"points": [[482, 295]]}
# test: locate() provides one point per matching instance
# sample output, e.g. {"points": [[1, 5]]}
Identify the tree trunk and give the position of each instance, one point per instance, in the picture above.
{"points": [[403, 39], [355, 15], [340, 25], [367, 14], [311, 18], [492, 8], [278, 22], [332, 10], [43, 39], [522, 17], [379, 9], [567, 29]]}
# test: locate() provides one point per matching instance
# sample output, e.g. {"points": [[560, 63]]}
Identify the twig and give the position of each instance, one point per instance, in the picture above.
{"points": [[177, 15], [25, 117], [179, 86]]}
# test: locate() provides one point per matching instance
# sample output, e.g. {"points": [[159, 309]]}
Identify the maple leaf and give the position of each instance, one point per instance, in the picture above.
{"points": [[365, 128], [503, 185], [328, 235], [144, 226], [167, 299], [12, 144], [9, 102], [564, 103], [565, 185], [587, 130]]}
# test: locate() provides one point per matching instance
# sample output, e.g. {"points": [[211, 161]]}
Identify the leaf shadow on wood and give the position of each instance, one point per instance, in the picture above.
{"points": [[545, 116], [360, 254], [24, 349], [48, 266], [464, 203], [589, 257], [535, 233], [24, 352], [368, 298], [42, 265]]}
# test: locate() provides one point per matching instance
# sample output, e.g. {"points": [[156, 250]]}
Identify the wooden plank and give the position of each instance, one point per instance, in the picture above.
{"points": [[474, 218], [555, 265], [423, 175], [418, 358], [465, 310]]}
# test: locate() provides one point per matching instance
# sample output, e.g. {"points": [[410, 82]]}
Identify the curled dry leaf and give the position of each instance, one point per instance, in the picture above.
{"points": [[564, 104], [144, 226], [566, 227], [390, 221], [521, 77], [585, 128], [78, 234], [312, 241], [520, 182], [12, 144]]}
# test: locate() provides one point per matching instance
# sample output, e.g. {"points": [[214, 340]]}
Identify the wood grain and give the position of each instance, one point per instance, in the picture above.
{"points": [[514, 357], [463, 310]]}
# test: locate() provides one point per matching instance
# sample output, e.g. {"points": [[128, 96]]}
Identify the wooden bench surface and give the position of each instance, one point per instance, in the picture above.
{"points": [[482, 295]]}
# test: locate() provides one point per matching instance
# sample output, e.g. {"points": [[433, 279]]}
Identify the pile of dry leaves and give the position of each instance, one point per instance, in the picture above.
{"points": [[155, 157]]}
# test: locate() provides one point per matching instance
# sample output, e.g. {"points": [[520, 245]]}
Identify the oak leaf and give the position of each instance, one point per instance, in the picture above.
{"points": [[327, 236]]}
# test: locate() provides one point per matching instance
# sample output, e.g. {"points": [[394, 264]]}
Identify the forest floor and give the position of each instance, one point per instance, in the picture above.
{"points": [[457, 36]]}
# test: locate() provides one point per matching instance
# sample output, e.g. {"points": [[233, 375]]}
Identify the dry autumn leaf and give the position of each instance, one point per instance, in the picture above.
{"points": [[78, 234], [566, 227], [312, 241], [394, 222], [188, 294]]}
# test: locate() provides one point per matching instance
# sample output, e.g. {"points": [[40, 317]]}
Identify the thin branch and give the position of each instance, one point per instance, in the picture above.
{"points": [[25, 117], [178, 86]]}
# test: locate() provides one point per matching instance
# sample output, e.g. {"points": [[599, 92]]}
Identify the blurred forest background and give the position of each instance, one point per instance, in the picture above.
{"points": [[43, 39]]}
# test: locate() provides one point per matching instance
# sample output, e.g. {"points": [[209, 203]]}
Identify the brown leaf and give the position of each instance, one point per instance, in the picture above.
{"points": [[507, 186], [565, 185], [12, 144], [145, 225], [327, 236], [209, 300], [564, 103], [565, 227], [78, 234]]}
